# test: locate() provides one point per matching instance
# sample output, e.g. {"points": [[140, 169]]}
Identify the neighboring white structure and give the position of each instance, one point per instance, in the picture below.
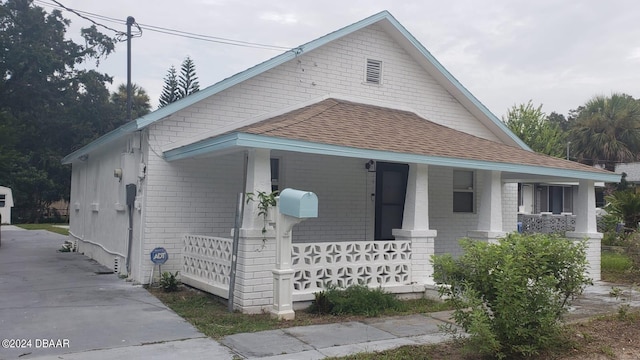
{"points": [[631, 169], [6, 203], [403, 159]]}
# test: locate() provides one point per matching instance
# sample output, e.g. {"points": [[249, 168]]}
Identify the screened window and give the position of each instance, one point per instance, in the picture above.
{"points": [[463, 191]]}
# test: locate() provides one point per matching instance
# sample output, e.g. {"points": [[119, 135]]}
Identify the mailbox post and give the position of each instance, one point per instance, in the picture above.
{"points": [[293, 207]]}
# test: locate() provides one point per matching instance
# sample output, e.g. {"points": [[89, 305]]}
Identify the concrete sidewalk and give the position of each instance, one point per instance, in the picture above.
{"points": [[319, 341], [45, 294]]}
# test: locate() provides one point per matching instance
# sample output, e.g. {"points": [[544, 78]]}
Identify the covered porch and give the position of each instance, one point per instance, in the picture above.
{"points": [[386, 205]]}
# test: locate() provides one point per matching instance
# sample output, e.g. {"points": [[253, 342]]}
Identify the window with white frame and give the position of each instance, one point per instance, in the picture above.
{"points": [[2, 200], [463, 191]]}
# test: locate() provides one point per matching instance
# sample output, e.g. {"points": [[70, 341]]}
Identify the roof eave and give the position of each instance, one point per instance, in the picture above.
{"points": [[244, 140], [463, 94], [101, 141]]}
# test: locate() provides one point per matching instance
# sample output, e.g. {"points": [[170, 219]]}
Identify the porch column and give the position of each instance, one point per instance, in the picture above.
{"points": [[258, 179], [256, 250], [490, 210], [415, 225], [586, 226]]}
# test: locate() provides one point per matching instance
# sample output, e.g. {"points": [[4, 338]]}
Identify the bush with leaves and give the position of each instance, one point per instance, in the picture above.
{"points": [[510, 296], [625, 206], [354, 300], [169, 282]]}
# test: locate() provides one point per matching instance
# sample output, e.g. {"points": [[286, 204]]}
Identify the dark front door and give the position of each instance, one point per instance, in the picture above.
{"points": [[391, 188]]}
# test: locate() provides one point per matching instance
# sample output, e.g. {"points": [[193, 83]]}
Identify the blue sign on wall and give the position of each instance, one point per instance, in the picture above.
{"points": [[159, 256]]}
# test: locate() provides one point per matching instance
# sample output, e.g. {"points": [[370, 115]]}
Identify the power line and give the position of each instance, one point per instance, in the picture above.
{"points": [[212, 38], [189, 35], [118, 32]]}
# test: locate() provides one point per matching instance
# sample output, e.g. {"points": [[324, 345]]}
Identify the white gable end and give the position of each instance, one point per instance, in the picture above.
{"points": [[337, 69]]}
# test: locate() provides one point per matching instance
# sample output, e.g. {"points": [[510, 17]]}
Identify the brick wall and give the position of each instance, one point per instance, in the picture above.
{"points": [[198, 195]]}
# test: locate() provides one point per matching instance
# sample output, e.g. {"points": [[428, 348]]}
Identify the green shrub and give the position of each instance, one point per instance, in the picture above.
{"points": [[169, 282], [633, 250], [510, 296], [625, 205], [354, 300]]}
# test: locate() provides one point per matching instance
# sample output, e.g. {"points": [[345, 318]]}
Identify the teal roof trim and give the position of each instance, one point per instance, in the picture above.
{"points": [[241, 140], [107, 138], [183, 103], [463, 90]]}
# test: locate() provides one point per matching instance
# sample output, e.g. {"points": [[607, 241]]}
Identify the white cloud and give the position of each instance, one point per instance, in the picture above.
{"points": [[279, 18]]}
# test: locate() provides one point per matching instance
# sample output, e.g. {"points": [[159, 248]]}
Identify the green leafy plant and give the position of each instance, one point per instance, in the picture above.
{"points": [[265, 202], [169, 282], [625, 206], [511, 295], [354, 300]]}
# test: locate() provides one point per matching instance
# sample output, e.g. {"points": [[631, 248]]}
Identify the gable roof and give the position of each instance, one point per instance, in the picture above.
{"points": [[344, 128], [384, 18]]}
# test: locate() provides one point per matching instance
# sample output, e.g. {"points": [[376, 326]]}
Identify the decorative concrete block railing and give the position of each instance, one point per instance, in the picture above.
{"points": [[206, 263], [547, 223], [373, 263]]}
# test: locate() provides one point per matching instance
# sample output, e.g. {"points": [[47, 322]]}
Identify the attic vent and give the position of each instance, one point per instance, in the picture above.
{"points": [[374, 71]]}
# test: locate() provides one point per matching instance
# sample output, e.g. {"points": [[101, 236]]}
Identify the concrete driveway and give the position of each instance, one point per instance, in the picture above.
{"points": [[62, 306]]}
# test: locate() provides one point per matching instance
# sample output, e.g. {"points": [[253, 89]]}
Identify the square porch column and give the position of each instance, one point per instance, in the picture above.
{"points": [[490, 210], [256, 250], [586, 226], [415, 225]]}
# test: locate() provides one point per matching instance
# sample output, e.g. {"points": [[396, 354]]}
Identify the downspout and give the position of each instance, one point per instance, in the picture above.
{"points": [[131, 197], [236, 234]]}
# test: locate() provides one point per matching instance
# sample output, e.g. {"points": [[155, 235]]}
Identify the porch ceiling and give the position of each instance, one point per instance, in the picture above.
{"points": [[343, 128]]}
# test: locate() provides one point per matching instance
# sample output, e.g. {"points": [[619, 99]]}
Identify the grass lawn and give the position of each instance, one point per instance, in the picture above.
{"points": [[48, 227], [601, 335], [209, 315], [616, 268]]}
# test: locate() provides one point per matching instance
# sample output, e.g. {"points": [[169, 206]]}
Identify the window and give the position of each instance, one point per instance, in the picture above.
{"points": [[2, 200], [567, 200], [275, 174], [463, 191], [374, 72]]}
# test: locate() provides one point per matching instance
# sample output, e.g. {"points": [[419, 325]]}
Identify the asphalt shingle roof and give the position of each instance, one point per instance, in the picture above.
{"points": [[344, 123]]}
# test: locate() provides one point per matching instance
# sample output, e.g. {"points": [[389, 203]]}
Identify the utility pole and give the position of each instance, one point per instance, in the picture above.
{"points": [[130, 22]]}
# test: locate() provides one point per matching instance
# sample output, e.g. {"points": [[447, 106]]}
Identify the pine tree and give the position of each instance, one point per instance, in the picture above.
{"points": [[188, 83], [170, 91]]}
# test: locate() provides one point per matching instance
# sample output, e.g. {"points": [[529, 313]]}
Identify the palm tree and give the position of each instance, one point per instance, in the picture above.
{"points": [[139, 102], [607, 131]]}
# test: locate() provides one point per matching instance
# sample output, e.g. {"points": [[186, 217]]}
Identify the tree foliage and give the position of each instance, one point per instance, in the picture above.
{"points": [[530, 124], [177, 86], [140, 105], [188, 82], [170, 89], [49, 105], [511, 295], [625, 207], [606, 131]]}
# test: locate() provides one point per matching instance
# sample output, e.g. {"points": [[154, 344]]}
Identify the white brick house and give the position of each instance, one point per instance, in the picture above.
{"points": [[404, 161]]}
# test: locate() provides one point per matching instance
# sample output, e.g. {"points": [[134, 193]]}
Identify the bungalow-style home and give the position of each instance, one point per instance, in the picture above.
{"points": [[403, 159], [6, 203]]}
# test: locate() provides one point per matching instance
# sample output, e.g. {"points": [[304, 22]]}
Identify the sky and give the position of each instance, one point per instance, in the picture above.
{"points": [[558, 54]]}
